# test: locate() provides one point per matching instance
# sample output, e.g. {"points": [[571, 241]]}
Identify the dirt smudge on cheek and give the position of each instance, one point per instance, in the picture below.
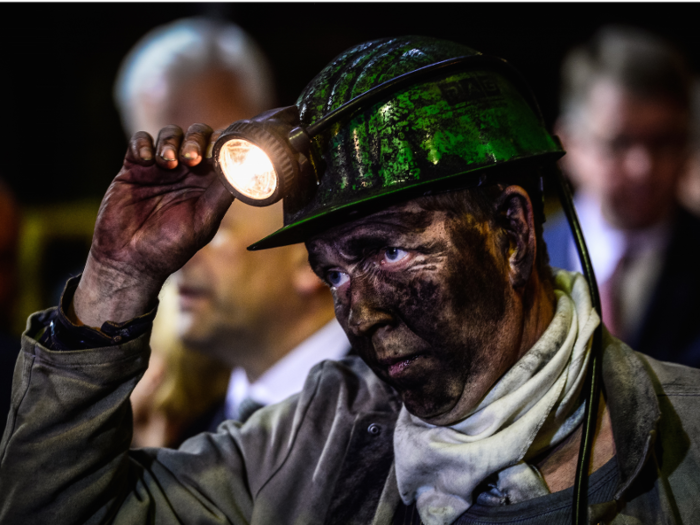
{"points": [[418, 301], [475, 280], [478, 298]]}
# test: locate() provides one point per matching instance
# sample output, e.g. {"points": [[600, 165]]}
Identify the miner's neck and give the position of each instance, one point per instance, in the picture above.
{"points": [[539, 305]]}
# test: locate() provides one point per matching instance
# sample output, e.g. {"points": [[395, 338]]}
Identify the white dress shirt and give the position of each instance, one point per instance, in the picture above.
{"points": [[287, 376], [607, 245]]}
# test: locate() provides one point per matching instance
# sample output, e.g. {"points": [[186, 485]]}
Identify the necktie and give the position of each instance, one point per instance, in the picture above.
{"points": [[611, 296]]}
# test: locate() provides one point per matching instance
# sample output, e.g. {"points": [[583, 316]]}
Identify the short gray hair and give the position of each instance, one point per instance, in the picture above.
{"points": [[185, 47], [632, 58]]}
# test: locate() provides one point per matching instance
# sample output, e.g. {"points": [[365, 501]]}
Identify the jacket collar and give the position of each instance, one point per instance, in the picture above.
{"points": [[634, 409]]}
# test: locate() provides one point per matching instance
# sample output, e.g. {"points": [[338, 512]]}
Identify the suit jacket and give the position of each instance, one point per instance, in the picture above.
{"points": [[670, 326]]}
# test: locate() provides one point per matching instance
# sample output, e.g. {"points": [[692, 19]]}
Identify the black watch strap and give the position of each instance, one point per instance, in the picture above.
{"points": [[62, 334]]}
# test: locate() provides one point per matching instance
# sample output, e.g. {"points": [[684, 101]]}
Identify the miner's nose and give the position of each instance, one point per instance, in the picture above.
{"points": [[368, 310]]}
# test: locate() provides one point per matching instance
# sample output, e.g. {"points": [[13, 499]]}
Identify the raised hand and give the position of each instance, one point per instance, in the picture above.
{"points": [[163, 206]]}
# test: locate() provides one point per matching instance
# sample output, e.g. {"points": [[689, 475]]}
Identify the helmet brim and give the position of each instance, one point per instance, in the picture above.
{"points": [[327, 218]]}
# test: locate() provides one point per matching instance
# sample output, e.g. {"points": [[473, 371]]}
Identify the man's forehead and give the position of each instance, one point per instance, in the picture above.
{"points": [[615, 103], [404, 218]]}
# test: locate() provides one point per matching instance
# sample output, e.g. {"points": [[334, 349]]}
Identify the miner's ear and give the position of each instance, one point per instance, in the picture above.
{"points": [[518, 222]]}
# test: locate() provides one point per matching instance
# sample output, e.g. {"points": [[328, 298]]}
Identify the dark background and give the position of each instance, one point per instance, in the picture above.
{"points": [[61, 136]]}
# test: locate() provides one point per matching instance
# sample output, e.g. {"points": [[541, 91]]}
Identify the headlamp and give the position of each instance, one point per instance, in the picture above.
{"points": [[257, 159]]}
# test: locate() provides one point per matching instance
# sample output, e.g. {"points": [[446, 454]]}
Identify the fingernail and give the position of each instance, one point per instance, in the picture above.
{"points": [[168, 154], [145, 153], [210, 150], [190, 151]]}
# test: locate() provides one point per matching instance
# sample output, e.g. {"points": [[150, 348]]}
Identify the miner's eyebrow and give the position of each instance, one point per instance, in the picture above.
{"points": [[363, 245], [388, 228], [390, 224]]}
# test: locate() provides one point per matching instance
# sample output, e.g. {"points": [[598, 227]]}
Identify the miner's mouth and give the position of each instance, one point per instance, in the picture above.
{"points": [[398, 367]]}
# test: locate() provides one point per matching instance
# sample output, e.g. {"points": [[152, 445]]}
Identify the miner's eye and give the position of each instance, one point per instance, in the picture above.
{"points": [[393, 255], [337, 278]]}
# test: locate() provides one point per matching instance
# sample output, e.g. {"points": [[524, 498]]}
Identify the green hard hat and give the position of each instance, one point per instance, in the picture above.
{"points": [[446, 130]]}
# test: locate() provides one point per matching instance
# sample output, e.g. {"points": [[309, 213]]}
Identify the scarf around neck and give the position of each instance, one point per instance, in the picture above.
{"points": [[533, 407]]}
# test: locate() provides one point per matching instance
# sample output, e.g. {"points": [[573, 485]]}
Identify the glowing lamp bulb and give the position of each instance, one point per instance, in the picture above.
{"points": [[248, 169]]}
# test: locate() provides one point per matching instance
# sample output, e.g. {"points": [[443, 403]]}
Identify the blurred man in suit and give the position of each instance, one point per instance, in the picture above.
{"points": [[625, 124]]}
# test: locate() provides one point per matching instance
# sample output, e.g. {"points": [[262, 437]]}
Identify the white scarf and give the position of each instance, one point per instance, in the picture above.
{"points": [[531, 408]]}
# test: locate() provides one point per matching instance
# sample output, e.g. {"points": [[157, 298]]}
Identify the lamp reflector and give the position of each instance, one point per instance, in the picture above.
{"points": [[248, 169]]}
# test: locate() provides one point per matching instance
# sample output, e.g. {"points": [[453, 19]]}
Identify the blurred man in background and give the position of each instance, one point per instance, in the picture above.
{"points": [[267, 316], [181, 387], [192, 70], [689, 186], [625, 125], [9, 246]]}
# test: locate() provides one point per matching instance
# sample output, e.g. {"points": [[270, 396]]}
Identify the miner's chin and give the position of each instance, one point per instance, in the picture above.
{"points": [[433, 407], [431, 399]]}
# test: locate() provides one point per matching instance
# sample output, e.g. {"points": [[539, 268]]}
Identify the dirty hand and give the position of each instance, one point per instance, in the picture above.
{"points": [[163, 206]]}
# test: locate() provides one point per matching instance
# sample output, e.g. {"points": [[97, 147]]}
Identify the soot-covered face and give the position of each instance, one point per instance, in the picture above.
{"points": [[424, 298]]}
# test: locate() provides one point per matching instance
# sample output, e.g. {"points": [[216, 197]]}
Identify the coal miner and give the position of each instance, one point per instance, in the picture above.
{"points": [[420, 205]]}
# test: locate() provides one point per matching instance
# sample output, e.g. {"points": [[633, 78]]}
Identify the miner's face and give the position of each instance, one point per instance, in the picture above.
{"points": [[424, 298]]}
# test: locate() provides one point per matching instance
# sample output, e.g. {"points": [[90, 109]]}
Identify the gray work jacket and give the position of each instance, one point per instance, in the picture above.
{"points": [[322, 456]]}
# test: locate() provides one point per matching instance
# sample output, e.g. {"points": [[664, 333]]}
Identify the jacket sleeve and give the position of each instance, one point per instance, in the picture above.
{"points": [[65, 458]]}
